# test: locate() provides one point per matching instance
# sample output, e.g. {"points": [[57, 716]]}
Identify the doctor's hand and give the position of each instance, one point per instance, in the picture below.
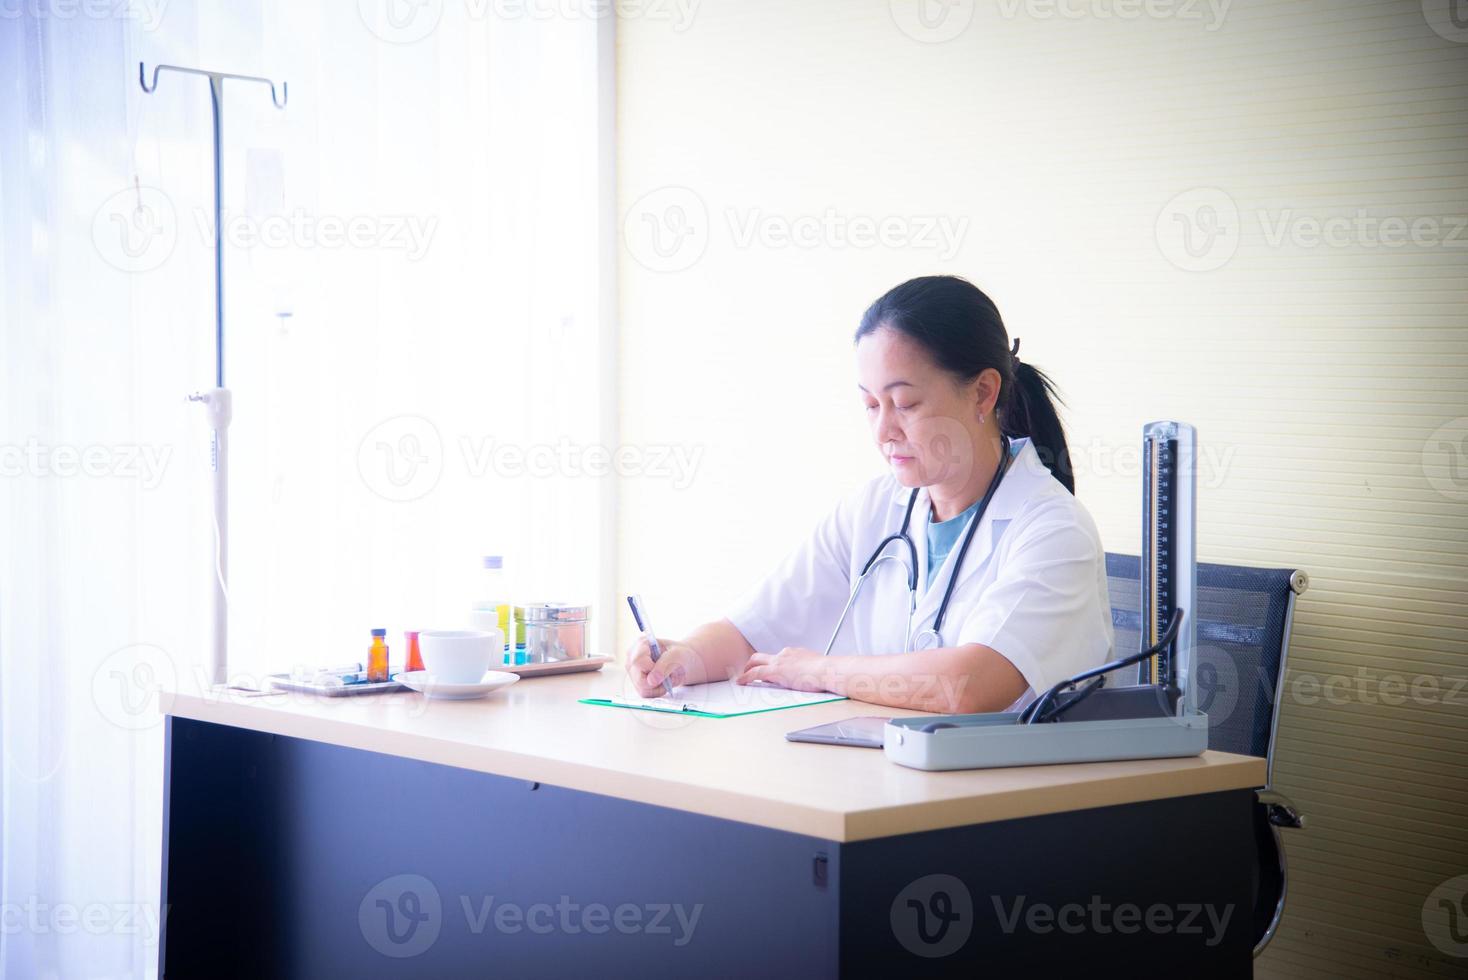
{"points": [[680, 663], [796, 668]]}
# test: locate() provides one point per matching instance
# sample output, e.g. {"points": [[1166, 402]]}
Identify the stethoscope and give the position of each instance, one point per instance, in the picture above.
{"points": [[879, 556]]}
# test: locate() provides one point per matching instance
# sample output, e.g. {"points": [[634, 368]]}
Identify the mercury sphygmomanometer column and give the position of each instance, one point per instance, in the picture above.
{"points": [[1169, 577]]}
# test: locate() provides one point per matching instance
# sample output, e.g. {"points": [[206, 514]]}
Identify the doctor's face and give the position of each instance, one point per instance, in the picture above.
{"points": [[924, 421]]}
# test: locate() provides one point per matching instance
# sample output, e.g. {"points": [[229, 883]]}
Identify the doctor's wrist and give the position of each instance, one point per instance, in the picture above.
{"points": [[835, 672]]}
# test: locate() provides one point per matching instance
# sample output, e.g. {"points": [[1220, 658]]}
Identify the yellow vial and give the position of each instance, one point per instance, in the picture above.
{"points": [[503, 610]]}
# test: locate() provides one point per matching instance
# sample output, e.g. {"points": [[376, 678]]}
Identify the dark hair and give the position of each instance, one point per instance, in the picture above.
{"points": [[962, 331]]}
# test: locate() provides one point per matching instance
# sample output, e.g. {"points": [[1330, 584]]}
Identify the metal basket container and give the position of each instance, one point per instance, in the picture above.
{"points": [[555, 631]]}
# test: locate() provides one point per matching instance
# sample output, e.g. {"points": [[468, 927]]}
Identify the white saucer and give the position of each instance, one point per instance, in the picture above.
{"points": [[423, 682]]}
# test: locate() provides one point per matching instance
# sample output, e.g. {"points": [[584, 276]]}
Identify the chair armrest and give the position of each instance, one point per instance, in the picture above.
{"points": [[1279, 810]]}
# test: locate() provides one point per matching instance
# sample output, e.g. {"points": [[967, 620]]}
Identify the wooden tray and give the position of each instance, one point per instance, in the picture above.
{"points": [[557, 667]]}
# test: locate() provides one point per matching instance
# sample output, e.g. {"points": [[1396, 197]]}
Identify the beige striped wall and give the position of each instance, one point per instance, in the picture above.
{"points": [[1180, 213]]}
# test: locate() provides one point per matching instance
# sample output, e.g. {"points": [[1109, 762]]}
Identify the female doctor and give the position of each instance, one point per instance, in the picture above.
{"points": [[985, 577]]}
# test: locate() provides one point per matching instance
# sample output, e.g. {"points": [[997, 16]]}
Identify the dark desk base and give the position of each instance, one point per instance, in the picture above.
{"points": [[290, 858]]}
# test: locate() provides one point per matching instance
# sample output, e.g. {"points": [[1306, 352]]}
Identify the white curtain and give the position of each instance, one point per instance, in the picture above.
{"points": [[412, 340]]}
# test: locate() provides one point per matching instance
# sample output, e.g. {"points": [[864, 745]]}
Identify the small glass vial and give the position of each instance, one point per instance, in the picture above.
{"points": [[415, 656], [377, 657], [507, 630], [521, 658]]}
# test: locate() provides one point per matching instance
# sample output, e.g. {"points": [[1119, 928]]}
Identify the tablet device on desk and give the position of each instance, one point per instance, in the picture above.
{"points": [[865, 732]]}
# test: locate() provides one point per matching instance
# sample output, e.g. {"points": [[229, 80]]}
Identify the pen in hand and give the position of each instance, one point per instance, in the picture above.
{"points": [[639, 616]]}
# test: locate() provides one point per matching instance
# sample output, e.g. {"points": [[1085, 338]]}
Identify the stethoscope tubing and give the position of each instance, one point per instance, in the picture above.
{"points": [[878, 556]]}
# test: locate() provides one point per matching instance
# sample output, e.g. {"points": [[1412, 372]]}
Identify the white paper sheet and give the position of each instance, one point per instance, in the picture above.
{"points": [[725, 698]]}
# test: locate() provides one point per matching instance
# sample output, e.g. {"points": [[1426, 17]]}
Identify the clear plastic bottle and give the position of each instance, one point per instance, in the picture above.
{"points": [[486, 614]]}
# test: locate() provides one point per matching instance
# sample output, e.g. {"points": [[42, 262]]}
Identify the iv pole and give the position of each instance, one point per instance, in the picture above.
{"points": [[216, 401]]}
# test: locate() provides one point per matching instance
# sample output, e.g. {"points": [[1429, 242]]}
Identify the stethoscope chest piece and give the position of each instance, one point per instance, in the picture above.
{"points": [[928, 639]]}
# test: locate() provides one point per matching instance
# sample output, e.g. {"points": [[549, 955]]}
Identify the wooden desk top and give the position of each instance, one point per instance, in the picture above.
{"points": [[736, 768]]}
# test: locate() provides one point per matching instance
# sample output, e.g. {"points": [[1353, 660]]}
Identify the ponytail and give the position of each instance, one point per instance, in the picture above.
{"points": [[962, 331], [1029, 410]]}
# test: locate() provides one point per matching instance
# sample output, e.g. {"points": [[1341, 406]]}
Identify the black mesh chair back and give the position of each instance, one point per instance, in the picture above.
{"points": [[1243, 629]]}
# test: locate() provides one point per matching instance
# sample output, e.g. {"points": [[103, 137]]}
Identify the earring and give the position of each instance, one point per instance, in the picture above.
{"points": [[981, 418]]}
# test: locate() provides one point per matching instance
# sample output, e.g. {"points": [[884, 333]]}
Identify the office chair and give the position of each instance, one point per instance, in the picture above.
{"points": [[1243, 640]]}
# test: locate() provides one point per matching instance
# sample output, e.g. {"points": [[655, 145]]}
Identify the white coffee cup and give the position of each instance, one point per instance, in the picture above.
{"points": [[459, 656]]}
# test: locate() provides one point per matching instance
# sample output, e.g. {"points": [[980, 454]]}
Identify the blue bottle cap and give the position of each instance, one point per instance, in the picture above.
{"points": [[379, 632], [494, 561]]}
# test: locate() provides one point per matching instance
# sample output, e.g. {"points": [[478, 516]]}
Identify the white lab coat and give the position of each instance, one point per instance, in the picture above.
{"points": [[1032, 586]]}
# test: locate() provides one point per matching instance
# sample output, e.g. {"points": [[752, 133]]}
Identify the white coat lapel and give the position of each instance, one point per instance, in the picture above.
{"points": [[919, 532]]}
